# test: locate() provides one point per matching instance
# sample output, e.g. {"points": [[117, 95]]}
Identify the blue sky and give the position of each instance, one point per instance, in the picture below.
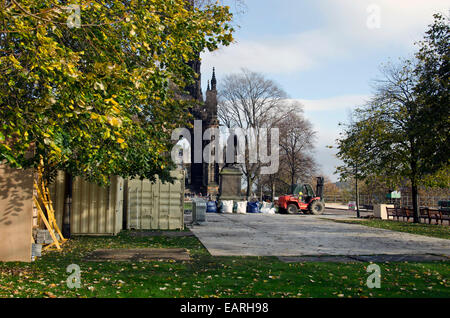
{"points": [[324, 53]]}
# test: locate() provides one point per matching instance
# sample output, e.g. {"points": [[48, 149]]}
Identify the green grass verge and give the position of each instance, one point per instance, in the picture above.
{"points": [[207, 276], [433, 230]]}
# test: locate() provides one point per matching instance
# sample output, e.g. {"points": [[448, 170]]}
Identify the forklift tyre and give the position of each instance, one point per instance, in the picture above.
{"points": [[292, 209], [316, 208]]}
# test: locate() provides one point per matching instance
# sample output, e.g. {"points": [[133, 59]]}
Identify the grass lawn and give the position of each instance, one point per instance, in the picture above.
{"points": [[207, 276], [440, 231]]}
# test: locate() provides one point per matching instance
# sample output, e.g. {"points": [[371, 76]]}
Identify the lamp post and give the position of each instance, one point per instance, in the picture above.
{"points": [[357, 190]]}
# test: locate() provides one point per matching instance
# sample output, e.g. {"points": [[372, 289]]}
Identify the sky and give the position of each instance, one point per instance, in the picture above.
{"points": [[324, 53]]}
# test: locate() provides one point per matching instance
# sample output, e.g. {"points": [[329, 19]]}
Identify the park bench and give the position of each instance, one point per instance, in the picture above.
{"points": [[430, 214], [424, 215], [394, 213], [445, 216], [444, 209], [434, 214], [407, 213]]}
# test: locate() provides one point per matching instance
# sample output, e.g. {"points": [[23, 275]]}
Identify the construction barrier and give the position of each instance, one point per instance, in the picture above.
{"points": [[95, 210], [156, 205]]}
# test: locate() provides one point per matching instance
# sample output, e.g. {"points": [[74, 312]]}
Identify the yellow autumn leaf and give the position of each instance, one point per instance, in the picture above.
{"points": [[114, 121], [120, 140], [116, 110], [112, 101]]}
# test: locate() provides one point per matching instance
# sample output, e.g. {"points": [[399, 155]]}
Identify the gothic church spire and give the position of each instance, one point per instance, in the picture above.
{"points": [[213, 80]]}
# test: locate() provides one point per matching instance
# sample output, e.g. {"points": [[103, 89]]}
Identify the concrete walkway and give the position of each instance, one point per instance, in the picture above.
{"points": [[300, 235]]}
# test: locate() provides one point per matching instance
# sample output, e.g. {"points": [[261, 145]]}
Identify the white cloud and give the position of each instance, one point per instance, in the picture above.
{"points": [[345, 102], [343, 33], [401, 21], [284, 54], [325, 115]]}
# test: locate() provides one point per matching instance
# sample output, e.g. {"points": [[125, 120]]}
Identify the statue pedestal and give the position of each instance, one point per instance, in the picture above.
{"points": [[230, 184]]}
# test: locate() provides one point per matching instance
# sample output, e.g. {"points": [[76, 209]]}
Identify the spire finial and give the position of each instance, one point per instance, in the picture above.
{"points": [[213, 80], [208, 89]]}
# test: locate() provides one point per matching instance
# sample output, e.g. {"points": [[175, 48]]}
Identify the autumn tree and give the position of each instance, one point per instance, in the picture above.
{"points": [[432, 90], [249, 100], [297, 164], [297, 139], [86, 85], [403, 131]]}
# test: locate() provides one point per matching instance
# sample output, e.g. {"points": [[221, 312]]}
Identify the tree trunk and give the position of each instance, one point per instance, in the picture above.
{"points": [[414, 187], [292, 181], [415, 201], [249, 187], [273, 191], [357, 198]]}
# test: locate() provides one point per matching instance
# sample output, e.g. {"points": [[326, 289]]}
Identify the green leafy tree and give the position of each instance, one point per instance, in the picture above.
{"points": [[432, 88], [402, 132], [351, 153], [91, 86]]}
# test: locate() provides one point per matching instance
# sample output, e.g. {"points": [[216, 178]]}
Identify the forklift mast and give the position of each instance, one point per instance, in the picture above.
{"points": [[319, 187]]}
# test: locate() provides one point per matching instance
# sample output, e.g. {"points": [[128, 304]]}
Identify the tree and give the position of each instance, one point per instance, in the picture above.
{"points": [[432, 90], [352, 152], [403, 131], [296, 161], [93, 92], [383, 135], [248, 100], [297, 145], [239, 6]]}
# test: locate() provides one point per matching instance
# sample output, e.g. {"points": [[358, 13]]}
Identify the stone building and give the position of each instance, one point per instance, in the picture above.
{"points": [[203, 178]]}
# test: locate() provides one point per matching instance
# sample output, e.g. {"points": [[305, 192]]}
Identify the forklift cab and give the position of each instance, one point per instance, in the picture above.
{"points": [[306, 190]]}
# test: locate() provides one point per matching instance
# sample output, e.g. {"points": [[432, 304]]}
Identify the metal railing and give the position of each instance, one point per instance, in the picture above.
{"points": [[405, 201]]}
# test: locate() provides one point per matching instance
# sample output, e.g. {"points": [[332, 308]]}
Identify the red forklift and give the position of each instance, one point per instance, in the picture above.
{"points": [[303, 199]]}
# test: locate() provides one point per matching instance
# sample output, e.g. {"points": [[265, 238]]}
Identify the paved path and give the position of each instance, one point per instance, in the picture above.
{"points": [[297, 235]]}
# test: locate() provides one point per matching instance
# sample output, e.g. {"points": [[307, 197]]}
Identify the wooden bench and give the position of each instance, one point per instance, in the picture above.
{"points": [[424, 215], [444, 208], [430, 214], [407, 213], [434, 214], [390, 212], [393, 212], [445, 215]]}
